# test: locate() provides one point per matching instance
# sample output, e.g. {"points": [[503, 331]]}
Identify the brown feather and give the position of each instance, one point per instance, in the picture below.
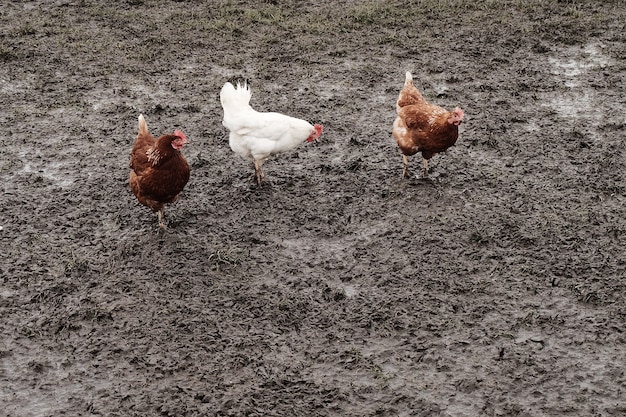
{"points": [[158, 171]]}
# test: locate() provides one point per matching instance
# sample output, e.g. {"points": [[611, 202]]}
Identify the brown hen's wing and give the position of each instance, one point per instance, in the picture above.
{"points": [[164, 183], [138, 156], [139, 163]]}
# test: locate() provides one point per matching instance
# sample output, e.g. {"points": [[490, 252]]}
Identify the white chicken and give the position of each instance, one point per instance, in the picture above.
{"points": [[258, 135]]}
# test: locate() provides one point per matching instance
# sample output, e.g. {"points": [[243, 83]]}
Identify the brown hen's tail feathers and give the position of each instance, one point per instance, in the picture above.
{"points": [[143, 127]]}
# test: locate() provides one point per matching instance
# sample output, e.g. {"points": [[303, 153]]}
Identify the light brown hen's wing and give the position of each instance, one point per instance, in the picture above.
{"points": [[421, 116]]}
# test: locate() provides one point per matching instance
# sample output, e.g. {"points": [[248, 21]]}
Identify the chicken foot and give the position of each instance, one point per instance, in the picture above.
{"points": [[258, 172], [405, 167], [161, 220]]}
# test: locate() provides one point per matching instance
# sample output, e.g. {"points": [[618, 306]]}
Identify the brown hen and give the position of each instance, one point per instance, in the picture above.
{"points": [[158, 171]]}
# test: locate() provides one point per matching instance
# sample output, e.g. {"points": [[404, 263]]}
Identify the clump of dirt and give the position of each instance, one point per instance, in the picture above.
{"points": [[496, 287]]}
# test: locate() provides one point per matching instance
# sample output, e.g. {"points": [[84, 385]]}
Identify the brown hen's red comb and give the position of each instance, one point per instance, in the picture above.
{"points": [[181, 135]]}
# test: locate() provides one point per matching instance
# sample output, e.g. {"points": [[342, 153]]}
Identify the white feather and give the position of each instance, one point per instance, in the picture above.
{"points": [[258, 135]]}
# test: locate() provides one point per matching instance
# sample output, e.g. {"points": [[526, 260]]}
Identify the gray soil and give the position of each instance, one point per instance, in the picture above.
{"points": [[496, 287]]}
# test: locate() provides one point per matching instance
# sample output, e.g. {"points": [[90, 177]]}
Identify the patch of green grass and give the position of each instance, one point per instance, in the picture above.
{"points": [[354, 358], [75, 264], [400, 13], [7, 53], [480, 236], [271, 15], [224, 257], [533, 17], [371, 13], [26, 30]]}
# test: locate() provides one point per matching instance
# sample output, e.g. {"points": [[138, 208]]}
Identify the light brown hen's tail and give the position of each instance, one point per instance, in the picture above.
{"points": [[409, 95], [408, 82], [143, 127]]}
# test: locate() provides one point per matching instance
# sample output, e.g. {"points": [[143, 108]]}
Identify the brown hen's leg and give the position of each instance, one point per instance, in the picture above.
{"points": [[425, 170], [161, 220], [405, 166]]}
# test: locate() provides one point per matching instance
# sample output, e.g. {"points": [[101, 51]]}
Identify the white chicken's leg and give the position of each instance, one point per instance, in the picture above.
{"points": [[258, 172], [405, 166], [161, 220]]}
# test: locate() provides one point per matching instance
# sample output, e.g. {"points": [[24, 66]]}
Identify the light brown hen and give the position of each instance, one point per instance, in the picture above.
{"points": [[422, 126]]}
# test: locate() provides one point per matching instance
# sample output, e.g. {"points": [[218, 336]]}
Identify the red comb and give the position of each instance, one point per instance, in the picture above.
{"points": [[181, 135]]}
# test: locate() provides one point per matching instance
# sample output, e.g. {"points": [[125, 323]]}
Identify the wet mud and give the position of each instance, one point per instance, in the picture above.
{"points": [[495, 287]]}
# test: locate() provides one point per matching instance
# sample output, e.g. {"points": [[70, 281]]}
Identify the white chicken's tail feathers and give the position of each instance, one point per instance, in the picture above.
{"points": [[235, 97], [143, 126]]}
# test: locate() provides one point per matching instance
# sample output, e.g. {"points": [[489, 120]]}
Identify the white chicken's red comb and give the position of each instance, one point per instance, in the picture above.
{"points": [[181, 135]]}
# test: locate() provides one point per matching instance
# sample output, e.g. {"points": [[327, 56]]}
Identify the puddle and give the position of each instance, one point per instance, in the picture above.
{"points": [[580, 101], [52, 171], [579, 61]]}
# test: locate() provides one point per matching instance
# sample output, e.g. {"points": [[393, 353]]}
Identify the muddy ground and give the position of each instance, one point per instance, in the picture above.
{"points": [[339, 289]]}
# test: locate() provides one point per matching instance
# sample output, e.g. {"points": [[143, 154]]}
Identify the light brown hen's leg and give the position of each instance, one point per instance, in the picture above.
{"points": [[425, 170], [405, 166]]}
